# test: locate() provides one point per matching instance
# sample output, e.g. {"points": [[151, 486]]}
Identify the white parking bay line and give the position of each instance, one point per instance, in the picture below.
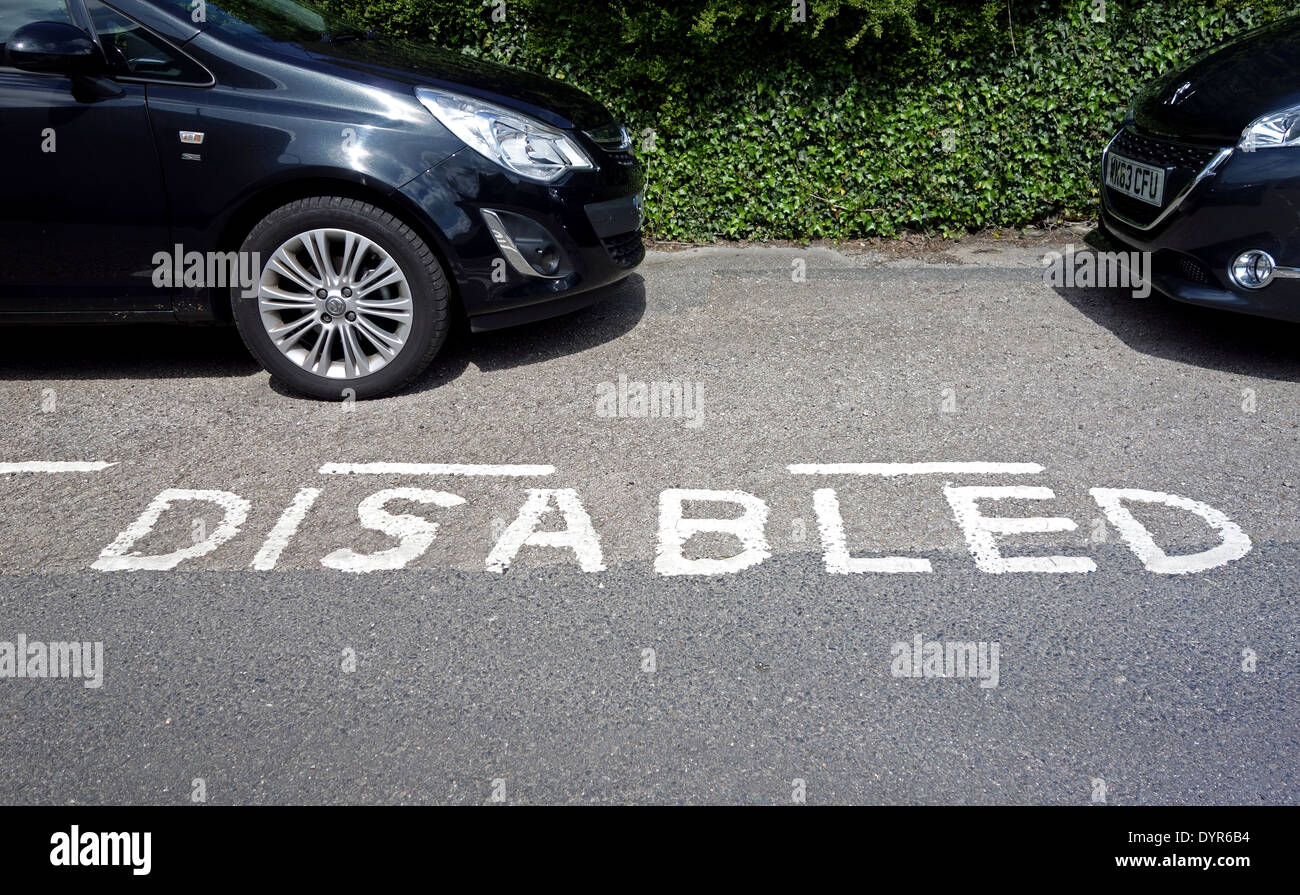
{"points": [[54, 466], [896, 469], [482, 469]]}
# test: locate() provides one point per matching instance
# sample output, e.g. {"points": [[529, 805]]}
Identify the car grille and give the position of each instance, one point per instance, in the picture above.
{"points": [[1182, 163], [1186, 268], [626, 250], [621, 157], [1191, 269], [1162, 153]]}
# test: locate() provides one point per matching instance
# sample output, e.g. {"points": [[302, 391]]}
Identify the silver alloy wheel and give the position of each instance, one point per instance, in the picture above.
{"points": [[335, 303]]}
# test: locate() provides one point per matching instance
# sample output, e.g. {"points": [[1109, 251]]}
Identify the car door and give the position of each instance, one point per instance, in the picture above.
{"points": [[83, 211]]}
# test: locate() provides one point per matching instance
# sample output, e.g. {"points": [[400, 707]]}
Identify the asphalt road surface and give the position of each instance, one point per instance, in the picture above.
{"points": [[435, 645]]}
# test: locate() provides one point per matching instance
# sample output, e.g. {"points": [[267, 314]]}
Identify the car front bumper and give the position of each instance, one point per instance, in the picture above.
{"points": [[591, 218], [1234, 201]]}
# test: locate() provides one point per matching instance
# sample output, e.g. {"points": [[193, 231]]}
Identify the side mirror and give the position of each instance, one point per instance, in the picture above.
{"points": [[55, 48]]}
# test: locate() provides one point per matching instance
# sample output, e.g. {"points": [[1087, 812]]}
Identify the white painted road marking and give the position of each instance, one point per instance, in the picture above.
{"points": [[835, 547], [895, 469], [117, 557], [285, 528], [675, 530], [415, 534], [1236, 543], [484, 469], [54, 466], [578, 534], [980, 530]]}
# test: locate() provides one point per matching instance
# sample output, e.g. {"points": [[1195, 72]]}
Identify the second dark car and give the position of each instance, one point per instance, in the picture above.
{"points": [[1205, 175], [334, 193]]}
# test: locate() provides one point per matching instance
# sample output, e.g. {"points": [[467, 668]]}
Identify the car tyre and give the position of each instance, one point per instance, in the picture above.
{"points": [[307, 324]]}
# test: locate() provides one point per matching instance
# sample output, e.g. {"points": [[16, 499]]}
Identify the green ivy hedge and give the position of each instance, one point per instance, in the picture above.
{"points": [[868, 118]]}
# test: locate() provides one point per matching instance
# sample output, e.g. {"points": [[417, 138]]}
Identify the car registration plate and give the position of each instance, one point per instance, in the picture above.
{"points": [[1142, 182]]}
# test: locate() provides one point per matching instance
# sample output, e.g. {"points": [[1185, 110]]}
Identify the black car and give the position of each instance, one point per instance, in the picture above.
{"points": [[333, 193], [1205, 175]]}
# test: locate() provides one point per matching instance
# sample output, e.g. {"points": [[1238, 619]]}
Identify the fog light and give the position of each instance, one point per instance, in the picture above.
{"points": [[526, 244], [548, 260], [1253, 269]]}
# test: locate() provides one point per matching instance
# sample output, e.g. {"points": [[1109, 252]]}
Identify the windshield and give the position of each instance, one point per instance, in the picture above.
{"points": [[277, 20]]}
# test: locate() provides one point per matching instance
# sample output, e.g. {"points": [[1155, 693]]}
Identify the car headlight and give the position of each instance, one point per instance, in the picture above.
{"points": [[1272, 130], [523, 145]]}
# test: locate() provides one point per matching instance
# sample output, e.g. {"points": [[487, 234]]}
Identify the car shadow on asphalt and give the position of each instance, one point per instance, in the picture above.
{"points": [[620, 308], [168, 351], [1203, 337], [122, 351]]}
